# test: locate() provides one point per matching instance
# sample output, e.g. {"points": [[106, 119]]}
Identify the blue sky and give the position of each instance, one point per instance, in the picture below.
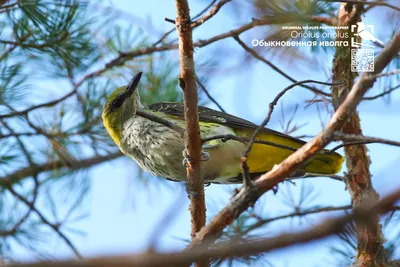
{"points": [[124, 214]]}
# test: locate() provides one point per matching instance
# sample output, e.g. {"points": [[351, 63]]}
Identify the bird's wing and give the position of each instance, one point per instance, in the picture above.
{"points": [[214, 116]]}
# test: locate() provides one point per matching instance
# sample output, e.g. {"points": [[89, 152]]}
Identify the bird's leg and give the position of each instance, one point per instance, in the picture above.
{"points": [[187, 160]]}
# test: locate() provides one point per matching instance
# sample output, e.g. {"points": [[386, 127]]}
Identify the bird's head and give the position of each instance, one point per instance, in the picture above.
{"points": [[120, 106]]}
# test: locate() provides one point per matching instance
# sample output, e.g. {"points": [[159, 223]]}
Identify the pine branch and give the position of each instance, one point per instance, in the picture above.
{"points": [[55, 227], [34, 170], [234, 249], [123, 57]]}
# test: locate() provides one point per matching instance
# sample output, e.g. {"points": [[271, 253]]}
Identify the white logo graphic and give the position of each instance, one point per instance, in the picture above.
{"points": [[366, 33]]}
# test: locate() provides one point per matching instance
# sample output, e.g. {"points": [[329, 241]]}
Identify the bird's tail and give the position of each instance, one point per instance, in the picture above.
{"points": [[262, 158], [325, 162]]}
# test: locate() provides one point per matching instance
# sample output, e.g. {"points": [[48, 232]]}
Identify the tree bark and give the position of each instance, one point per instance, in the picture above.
{"points": [[370, 250]]}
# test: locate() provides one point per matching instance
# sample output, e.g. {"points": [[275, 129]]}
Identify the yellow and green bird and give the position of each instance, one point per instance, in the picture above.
{"points": [[158, 149]]}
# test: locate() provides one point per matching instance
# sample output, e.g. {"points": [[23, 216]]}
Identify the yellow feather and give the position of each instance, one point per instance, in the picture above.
{"points": [[262, 158]]}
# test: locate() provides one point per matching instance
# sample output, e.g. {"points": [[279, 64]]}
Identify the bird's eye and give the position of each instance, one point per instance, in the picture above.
{"points": [[116, 104]]}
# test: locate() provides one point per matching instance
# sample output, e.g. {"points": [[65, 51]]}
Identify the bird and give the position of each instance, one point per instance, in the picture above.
{"points": [[158, 149], [366, 35]]}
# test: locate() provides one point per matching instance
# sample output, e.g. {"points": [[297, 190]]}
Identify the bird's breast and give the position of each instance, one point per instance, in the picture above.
{"points": [[156, 148]]}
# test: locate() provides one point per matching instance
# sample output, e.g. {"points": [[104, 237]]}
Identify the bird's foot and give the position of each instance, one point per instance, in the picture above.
{"points": [[187, 160]]}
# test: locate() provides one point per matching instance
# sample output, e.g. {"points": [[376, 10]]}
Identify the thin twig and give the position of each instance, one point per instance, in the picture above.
{"points": [[204, 10], [49, 43], [354, 139], [243, 160], [28, 171], [55, 227], [382, 94], [165, 35], [269, 63], [56, 101], [227, 137], [47, 104], [35, 189], [18, 224], [123, 57], [208, 94], [355, 143], [262, 222], [47, 134], [210, 14], [389, 73], [162, 121], [271, 109], [311, 175]]}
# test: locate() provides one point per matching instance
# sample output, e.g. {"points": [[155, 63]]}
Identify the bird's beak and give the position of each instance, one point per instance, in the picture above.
{"points": [[131, 87]]}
